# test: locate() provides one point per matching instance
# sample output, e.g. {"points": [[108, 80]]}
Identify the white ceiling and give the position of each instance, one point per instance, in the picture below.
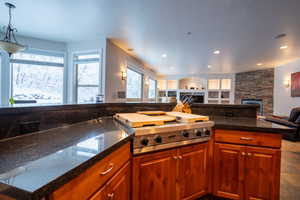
{"points": [[242, 30]]}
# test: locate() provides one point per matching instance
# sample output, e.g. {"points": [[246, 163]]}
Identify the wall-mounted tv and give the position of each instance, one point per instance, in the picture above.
{"points": [[295, 84]]}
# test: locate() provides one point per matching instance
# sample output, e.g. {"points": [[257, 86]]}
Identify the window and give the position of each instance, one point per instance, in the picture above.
{"points": [[37, 77], [88, 77], [226, 84], [213, 84], [152, 89], [134, 84]]}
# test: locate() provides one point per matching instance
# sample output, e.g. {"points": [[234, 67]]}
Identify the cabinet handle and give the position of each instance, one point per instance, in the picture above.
{"points": [[243, 153], [246, 138], [175, 157], [180, 157], [249, 154], [108, 170], [110, 196]]}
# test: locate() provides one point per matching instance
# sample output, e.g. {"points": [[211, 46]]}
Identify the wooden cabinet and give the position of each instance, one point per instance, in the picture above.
{"points": [[245, 172], [154, 176], [118, 188], [92, 180], [262, 176], [192, 171], [228, 170], [171, 174], [248, 138]]}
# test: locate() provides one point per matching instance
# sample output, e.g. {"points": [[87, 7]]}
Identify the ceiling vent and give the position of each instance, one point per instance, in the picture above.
{"points": [[282, 35]]}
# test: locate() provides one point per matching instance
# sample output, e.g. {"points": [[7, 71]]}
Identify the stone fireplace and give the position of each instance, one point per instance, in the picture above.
{"points": [[255, 101], [256, 85]]}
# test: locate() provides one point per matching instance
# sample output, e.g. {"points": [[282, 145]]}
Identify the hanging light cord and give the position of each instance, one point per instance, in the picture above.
{"points": [[9, 32]]}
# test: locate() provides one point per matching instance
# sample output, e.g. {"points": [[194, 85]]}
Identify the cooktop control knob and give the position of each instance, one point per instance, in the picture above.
{"points": [[158, 139], [199, 133], [144, 142], [207, 132], [185, 134]]}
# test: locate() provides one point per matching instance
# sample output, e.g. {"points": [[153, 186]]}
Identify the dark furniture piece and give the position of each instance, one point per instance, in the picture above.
{"points": [[292, 121]]}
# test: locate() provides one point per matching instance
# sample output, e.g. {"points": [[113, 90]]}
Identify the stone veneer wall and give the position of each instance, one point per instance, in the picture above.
{"points": [[256, 85]]}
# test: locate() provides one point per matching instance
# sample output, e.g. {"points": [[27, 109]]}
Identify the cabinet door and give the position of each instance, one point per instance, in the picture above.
{"points": [[192, 173], [228, 170], [154, 176], [262, 174], [120, 185], [101, 194], [118, 188]]}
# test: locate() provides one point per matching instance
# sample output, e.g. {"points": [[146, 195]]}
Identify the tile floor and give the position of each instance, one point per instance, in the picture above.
{"points": [[290, 171]]}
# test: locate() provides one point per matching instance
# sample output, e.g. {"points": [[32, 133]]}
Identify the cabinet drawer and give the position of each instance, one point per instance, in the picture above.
{"points": [[117, 188], [87, 183], [248, 138]]}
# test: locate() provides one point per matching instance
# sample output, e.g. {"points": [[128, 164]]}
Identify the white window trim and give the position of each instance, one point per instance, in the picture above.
{"points": [[155, 96], [31, 62], [82, 61], [132, 68]]}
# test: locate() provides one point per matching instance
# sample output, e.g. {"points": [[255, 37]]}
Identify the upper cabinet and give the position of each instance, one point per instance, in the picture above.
{"points": [[213, 84], [172, 84], [162, 84], [167, 84], [220, 91], [226, 84], [217, 84], [215, 89]]}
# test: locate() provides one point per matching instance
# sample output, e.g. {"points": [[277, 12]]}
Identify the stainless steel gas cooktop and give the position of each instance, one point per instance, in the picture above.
{"points": [[171, 134]]}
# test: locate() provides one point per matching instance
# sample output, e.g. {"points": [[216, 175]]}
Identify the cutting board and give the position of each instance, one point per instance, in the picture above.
{"points": [[139, 120], [152, 112], [187, 118]]}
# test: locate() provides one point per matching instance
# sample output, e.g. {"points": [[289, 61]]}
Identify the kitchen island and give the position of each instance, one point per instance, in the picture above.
{"points": [[36, 165]]}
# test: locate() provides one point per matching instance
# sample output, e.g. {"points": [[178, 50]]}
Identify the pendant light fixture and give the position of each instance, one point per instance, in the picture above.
{"points": [[9, 42]]}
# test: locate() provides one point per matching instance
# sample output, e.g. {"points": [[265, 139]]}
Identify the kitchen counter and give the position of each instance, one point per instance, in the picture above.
{"points": [[249, 124], [34, 165]]}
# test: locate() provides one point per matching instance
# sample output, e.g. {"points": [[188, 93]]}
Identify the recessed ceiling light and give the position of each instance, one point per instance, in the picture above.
{"points": [[217, 52], [189, 33], [164, 55], [208, 66], [259, 64], [284, 47]]}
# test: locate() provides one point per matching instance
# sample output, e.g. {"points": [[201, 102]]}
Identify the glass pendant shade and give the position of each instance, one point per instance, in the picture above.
{"points": [[11, 47]]}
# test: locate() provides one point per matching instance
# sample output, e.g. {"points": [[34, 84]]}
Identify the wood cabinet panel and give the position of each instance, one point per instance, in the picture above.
{"points": [[192, 171], [101, 194], [228, 170], [87, 183], [154, 176], [248, 138], [262, 174], [118, 188]]}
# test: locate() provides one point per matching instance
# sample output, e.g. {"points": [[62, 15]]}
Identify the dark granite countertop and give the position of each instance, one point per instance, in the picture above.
{"points": [[34, 165], [250, 124], [225, 105], [17, 109]]}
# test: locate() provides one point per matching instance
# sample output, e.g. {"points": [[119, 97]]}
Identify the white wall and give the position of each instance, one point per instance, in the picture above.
{"points": [[283, 102], [41, 44], [96, 45], [117, 61]]}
